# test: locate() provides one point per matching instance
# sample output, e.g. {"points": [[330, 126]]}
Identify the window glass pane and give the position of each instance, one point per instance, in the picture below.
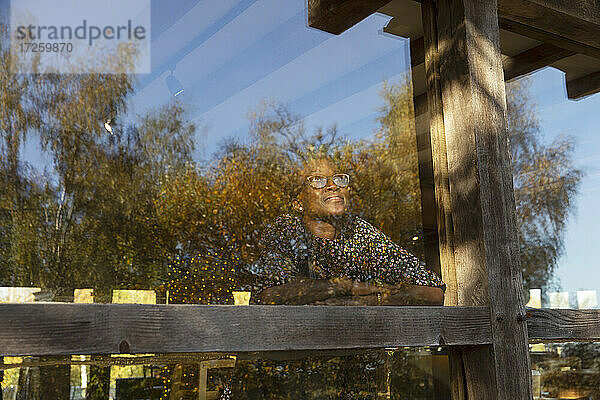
{"points": [[420, 374], [554, 148], [256, 150]]}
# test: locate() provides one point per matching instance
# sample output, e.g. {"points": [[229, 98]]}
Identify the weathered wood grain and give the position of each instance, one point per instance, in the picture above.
{"points": [[335, 16], [546, 324], [53, 329], [442, 206], [50, 329], [426, 177], [573, 27], [588, 10], [458, 385], [425, 50], [426, 184], [465, 205], [460, 110], [482, 199]]}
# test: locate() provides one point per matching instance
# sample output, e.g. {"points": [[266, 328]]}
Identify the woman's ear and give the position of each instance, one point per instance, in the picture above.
{"points": [[297, 206]]}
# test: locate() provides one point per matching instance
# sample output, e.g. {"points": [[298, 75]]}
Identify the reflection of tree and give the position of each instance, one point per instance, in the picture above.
{"points": [[358, 376], [97, 226], [546, 183], [222, 208], [576, 374], [92, 221]]}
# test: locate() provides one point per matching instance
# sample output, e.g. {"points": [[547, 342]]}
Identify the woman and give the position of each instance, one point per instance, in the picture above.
{"points": [[325, 256]]}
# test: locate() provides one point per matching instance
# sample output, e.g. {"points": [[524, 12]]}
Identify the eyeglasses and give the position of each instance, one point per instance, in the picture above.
{"points": [[320, 181]]}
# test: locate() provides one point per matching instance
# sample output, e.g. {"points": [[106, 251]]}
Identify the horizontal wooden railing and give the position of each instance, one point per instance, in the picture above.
{"points": [[63, 328], [563, 325], [67, 328]]}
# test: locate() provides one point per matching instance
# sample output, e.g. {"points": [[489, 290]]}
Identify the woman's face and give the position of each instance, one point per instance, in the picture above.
{"points": [[330, 200]]}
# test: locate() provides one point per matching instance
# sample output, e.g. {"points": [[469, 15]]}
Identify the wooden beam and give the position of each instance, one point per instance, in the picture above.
{"points": [[585, 10], [486, 248], [63, 328], [544, 36], [467, 373], [574, 27], [428, 202], [533, 59], [556, 325], [584, 86], [457, 92], [426, 51], [439, 163], [426, 178], [335, 16], [417, 51], [55, 328]]}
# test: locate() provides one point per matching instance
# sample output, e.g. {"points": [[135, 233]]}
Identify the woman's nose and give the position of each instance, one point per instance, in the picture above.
{"points": [[331, 185]]}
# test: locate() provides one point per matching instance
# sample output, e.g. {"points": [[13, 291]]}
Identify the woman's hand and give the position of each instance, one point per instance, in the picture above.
{"points": [[369, 300], [343, 291], [306, 291], [410, 295], [309, 291]]}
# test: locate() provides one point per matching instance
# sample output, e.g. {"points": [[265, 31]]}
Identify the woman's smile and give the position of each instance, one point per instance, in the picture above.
{"points": [[335, 199]]}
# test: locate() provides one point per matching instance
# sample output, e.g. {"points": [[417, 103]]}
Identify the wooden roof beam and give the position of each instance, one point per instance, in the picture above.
{"points": [[335, 16], [573, 25], [584, 86], [417, 51], [532, 60]]}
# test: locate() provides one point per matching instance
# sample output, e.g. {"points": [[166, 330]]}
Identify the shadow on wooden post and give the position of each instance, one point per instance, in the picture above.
{"points": [[468, 111]]}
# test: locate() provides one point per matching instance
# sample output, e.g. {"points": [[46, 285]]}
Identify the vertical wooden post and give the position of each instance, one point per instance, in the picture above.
{"points": [[438, 150], [426, 184], [467, 103]]}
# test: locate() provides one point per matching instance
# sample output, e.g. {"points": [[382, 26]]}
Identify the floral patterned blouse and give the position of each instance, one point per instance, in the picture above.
{"points": [[361, 252]]}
